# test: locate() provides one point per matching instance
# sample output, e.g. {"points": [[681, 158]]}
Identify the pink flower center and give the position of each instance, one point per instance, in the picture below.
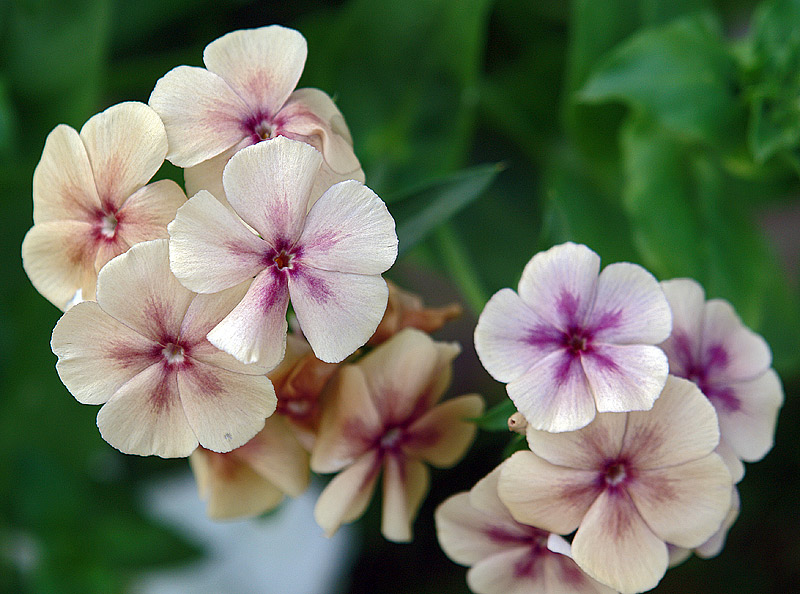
{"points": [[615, 474], [108, 225], [576, 340], [283, 260], [173, 353], [391, 439]]}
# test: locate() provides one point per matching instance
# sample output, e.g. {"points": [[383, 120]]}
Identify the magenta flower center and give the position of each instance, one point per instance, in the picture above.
{"points": [[615, 474], [576, 340], [173, 353], [283, 260]]}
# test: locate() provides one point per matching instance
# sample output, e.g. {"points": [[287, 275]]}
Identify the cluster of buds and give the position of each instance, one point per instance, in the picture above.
{"points": [[176, 310], [639, 401]]}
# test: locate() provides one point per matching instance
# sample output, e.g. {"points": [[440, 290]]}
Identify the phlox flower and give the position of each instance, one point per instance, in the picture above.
{"points": [[329, 259], [381, 414], [90, 201], [141, 352], [714, 545], [505, 557], [246, 95], [572, 343], [730, 364], [631, 483]]}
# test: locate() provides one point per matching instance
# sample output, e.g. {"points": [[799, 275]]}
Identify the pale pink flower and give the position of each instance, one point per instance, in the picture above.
{"points": [[141, 351], [631, 483], [90, 201], [573, 343], [247, 95], [329, 260], [730, 364], [381, 414], [505, 557], [714, 545]]}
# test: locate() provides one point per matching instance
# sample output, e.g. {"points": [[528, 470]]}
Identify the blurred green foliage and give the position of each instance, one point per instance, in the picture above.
{"points": [[659, 132]]}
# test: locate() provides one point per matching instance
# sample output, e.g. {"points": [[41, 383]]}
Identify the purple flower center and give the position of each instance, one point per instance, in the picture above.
{"points": [[576, 340], [261, 126]]}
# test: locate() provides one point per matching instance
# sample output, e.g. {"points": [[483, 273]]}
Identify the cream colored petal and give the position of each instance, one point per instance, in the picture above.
{"points": [[63, 182], [146, 214], [107, 250], [714, 545], [685, 504], [442, 435], [677, 555], [732, 461], [262, 65], [58, 258], [231, 487], [202, 115], [225, 409], [687, 302], [537, 493], [208, 174], [138, 289], [681, 426], [345, 498], [562, 574], [405, 484], [350, 425], [145, 417], [484, 498], [513, 571], [615, 546], [98, 354], [126, 145]]}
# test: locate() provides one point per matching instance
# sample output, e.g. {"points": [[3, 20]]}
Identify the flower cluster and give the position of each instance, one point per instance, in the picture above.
{"points": [[638, 400]]}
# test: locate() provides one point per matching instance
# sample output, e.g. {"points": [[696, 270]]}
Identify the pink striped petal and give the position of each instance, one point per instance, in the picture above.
{"points": [[442, 435], [126, 145], [512, 571], [465, 533], [630, 307], [255, 331], [337, 312], [202, 115], [349, 229], [146, 213], [345, 498], [261, 65], [729, 350], [687, 301], [210, 249], [405, 484], [560, 283]]}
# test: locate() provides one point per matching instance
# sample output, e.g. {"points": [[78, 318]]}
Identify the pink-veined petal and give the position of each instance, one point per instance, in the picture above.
{"points": [[537, 493], [684, 504], [442, 435], [262, 65], [560, 284], [625, 378], [510, 337], [255, 331], [349, 229], [225, 409], [553, 395], [511, 571], [63, 182], [338, 312], [269, 184], [345, 498], [139, 290], [630, 307], [405, 484], [687, 302], [681, 426], [615, 546], [126, 145], [464, 532], [202, 115], [98, 354], [145, 416], [146, 213], [210, 249]]}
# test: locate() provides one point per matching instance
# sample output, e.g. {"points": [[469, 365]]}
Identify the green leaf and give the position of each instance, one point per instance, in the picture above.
{"points": [[496, 418]]}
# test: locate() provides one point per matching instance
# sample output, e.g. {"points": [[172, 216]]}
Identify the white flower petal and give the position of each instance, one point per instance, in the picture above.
{"points": [[261, 65], [687, 302], [202, 115], [732, 461], [345, 498], [714, 545], [147, 212], [729, 349], [405, 484], [630, 307], [208, 174], [338, 312], [349, 229], [210, 249], [560, 283]]}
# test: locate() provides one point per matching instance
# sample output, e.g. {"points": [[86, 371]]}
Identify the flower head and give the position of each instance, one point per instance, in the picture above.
{"points": [[247, 95], [141, 351], [629, 482], [382, 414], [328, 260], [90, 201], [571, 344], [730, 364], [476, 529]]}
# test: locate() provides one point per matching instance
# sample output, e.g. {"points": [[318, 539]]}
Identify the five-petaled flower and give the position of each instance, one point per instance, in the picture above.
{"points": [[572, 344], [476, 529], [141, 351], [629, 482], [328, 259], [382, 413], [730, 364], [90, 201], [246, 96]]}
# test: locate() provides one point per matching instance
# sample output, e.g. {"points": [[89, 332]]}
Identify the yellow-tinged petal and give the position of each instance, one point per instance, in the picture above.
{"points": [[442, 435], [405, 484], [345, 498]]}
